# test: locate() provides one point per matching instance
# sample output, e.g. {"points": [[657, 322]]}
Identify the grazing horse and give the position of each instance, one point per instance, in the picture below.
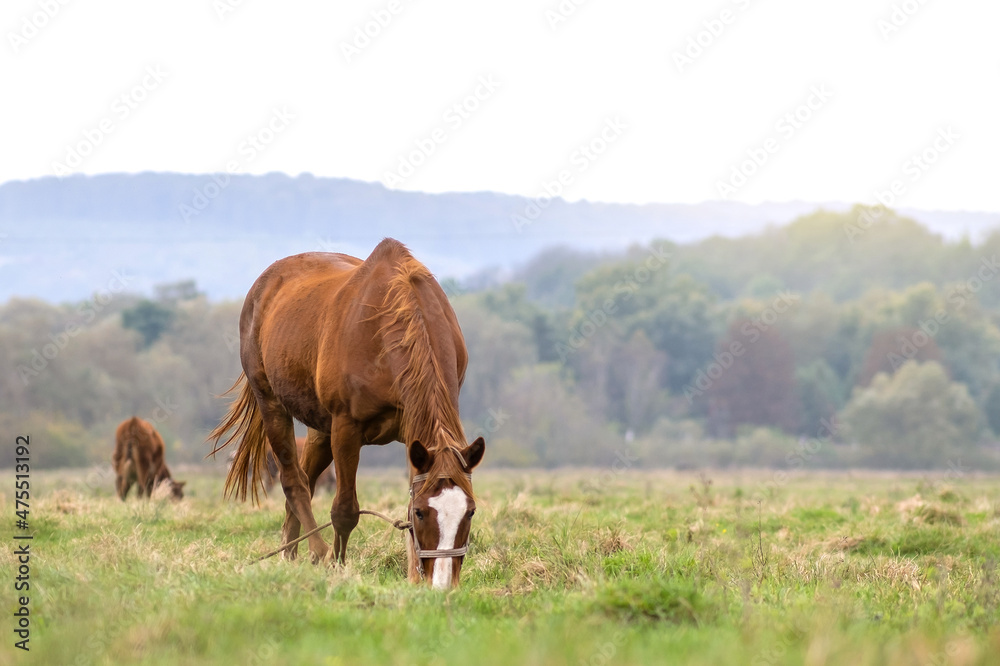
{"points": [[270, 472], [138, 457], [362, 352]]}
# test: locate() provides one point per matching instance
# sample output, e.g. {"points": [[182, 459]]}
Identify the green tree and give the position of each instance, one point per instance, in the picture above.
{"points": [[820, 395], [497, 347], [548, 424], [916, 418], [992, 409], [641, 293], [510, 303], [149, 318]]}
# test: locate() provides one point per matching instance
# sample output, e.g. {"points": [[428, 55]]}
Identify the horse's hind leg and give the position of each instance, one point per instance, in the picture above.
{"points": [[298, 502], [123, 483], [316, 457], [144, 476]]}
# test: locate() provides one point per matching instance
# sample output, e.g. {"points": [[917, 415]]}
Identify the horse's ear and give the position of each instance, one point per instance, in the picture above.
{"points": [[420, 458], [180, 484], [473, 453]]}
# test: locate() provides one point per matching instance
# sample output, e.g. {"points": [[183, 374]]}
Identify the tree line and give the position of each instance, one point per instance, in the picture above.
{"points": [[841, 339]]}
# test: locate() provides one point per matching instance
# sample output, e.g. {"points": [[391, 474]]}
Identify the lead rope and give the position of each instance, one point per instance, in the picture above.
{"points": [[398, 524]]}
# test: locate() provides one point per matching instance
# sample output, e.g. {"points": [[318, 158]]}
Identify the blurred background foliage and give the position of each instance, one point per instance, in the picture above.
{"points": [[829, 342]]}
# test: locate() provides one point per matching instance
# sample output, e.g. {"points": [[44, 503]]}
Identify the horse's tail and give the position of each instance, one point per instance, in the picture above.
{"points": [[134, 433], [248, 464], [128, 433]]}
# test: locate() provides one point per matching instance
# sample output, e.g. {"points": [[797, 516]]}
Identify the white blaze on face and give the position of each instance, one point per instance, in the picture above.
{"points": [[451, 505]]}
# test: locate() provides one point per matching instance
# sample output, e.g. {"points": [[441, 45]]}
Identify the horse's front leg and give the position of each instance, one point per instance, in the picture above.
{"points": [[346, 445]]}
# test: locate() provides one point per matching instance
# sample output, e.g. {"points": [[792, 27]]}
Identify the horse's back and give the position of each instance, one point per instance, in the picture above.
{"points": [[320, 333], [301, 274]]}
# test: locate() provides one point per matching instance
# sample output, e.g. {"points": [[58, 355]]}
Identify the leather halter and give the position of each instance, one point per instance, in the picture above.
{"points": [[437, 552]]}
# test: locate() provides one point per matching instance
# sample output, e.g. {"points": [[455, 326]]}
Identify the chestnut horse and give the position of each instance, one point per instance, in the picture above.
{"points": [[361, 352], [138, 457], [270, 473]]}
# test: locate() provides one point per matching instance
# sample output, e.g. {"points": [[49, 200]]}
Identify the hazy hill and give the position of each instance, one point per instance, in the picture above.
{"points": [[64, 238]]}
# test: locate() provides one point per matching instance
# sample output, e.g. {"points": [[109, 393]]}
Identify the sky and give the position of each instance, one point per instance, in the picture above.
{"points": [[626, 101]]}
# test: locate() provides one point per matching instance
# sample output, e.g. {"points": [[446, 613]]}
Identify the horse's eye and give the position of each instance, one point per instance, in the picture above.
{"points": [[419, 513], [472, 513]]}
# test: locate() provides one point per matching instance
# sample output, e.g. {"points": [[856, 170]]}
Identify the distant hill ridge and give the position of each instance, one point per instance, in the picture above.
{"points": [[63, 238]]}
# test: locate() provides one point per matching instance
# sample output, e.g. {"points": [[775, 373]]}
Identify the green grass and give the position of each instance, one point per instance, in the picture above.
{"points": [[657, 567]]}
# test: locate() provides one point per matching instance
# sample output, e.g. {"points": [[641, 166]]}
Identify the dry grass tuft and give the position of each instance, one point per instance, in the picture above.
{"points": [[919, 511], [909, 506], [613, 540], [845, 544], [933, 514], [531, 575], [66, 502]]}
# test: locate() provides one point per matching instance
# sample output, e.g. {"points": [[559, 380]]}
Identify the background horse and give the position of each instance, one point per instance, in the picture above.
{"points": [[138, 457], [362, 352]]}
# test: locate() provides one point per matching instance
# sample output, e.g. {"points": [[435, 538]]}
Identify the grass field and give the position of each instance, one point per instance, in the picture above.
{"points": [[565, 568]]}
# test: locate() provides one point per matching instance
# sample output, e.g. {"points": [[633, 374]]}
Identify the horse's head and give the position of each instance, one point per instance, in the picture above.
{"points": [[441, 507], [167, 487], [177, 490]]}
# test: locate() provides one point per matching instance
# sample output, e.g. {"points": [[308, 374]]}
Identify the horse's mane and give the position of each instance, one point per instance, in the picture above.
{"points": [[429, 413]]}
